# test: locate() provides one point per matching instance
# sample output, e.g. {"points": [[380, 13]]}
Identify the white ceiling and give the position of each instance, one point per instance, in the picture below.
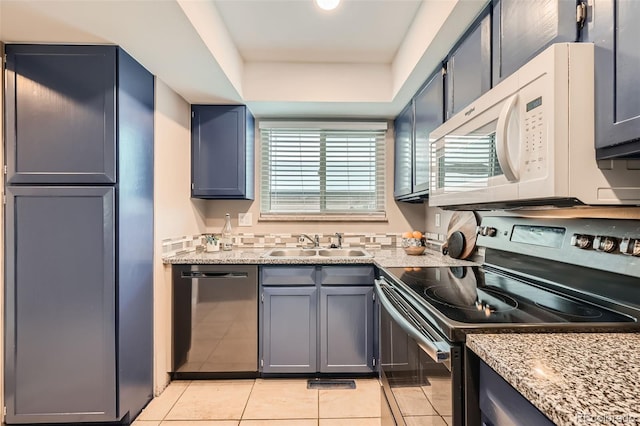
{"points": [[299, 31], [280, 57]]}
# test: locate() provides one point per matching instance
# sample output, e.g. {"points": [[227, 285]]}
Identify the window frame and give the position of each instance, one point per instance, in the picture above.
{"points": [[378, 129]]}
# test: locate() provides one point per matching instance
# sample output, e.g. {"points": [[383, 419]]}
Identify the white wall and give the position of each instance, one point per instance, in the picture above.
{"points": [[400, 216], [2, 237], [175, 214]]}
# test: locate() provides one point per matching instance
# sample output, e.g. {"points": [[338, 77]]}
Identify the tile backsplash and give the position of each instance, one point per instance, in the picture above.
{"points": [[187, 244]]}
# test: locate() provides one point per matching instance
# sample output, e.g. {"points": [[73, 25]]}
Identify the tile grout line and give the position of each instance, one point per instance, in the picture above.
{"points": [[176, 401], [246, 403]]}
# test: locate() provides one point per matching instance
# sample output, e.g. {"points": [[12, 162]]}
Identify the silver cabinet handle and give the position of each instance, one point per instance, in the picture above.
{"points": [[197, 274], [439, 351]]}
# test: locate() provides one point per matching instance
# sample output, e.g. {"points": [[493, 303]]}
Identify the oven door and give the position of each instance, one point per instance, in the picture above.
{"points": [[421, 373]]}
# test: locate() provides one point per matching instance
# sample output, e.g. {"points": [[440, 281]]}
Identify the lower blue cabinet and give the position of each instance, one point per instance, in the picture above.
{"points": [[289, 330], [307, 326], [346, 329]]}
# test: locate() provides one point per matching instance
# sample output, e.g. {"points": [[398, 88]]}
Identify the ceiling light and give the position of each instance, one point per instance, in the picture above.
{"points": [[327, 4]]}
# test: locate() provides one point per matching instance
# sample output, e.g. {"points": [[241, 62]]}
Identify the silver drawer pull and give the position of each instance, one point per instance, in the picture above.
{"points": [[197, 274]]}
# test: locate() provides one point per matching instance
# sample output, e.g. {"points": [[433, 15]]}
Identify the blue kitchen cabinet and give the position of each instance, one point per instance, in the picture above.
{"points": [[614, 30], [346, 340], [403, 147], [288, 319], [222, 152], [468, 67], [289, 329], [346, 329], [424, 113], [317, 318], [522, 29], [60, 115], [429, 114], [79, 237], [61, 304]]}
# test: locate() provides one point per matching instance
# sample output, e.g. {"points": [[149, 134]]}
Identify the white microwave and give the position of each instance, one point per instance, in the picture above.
{"points": [[529, 141]]}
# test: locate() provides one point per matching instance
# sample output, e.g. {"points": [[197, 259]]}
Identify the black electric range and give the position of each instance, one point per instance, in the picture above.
{"points": [[527, 284]]}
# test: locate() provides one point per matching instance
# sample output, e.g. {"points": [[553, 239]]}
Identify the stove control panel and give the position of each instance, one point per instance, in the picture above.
{"points": [[611, 245], [607, 244]]}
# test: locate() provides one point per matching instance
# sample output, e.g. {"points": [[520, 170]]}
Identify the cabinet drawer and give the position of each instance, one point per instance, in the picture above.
{"points": [[288, 275], [346, 275]]}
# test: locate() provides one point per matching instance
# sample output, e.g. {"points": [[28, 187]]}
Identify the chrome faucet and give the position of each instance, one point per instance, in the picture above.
{"points": [[339, 235], [315, 240]]}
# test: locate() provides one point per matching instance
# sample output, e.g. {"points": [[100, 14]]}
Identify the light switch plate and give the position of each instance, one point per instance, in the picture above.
{"points": [[437, 219], [245, 219]]}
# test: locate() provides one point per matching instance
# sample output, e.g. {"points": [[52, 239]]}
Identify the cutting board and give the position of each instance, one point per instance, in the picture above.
{"points": [[461, 235]]}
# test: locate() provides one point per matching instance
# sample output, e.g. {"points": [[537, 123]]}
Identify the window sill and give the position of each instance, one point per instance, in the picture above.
{"points": [[322, 218]]}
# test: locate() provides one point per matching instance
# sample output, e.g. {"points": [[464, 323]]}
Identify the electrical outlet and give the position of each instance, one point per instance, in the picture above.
{"points": [[245, 219], [437, 220]]}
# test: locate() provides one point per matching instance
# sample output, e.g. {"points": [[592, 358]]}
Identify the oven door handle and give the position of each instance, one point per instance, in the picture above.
{"points": [[439, 351]]}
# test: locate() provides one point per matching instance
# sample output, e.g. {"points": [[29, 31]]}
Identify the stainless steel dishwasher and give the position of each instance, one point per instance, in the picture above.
{"points": [[215, 321]]}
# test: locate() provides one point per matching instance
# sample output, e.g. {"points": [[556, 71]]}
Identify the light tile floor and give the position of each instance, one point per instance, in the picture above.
{"points": [[263, 402]]}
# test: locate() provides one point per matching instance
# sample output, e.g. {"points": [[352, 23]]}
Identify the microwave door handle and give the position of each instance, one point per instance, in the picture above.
{"points": [[439, 351], [502, 140]]}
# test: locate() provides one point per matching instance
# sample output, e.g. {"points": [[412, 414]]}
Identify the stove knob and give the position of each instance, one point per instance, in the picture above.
{"points": [[581, 241], [630, 246], [487, 231], [605, 244], [490, 232]]}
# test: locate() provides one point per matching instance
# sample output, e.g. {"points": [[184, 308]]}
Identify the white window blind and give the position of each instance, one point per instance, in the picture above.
{"points": [[322, 168]]}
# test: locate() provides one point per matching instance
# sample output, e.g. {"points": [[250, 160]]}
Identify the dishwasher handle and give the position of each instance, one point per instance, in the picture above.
{"points": [[439, 351], [214, 275]]}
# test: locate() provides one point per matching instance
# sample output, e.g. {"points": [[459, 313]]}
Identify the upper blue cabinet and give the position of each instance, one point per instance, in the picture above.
{"points": [[222, 152], [424, 113], [469, 66], [403, 127], [429, 114], [60, 116], [522, 29], [613, 28]]}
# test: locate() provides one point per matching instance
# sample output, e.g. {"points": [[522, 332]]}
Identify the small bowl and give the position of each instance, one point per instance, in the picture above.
{"points": [[413, 246], [415, 250]]}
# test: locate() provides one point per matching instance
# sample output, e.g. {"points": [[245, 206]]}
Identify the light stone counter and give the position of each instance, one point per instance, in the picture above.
{"points": [[382, 258], [573, 378]]}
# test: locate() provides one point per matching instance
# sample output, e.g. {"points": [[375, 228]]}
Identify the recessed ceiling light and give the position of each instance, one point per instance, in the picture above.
{"points": [[327, 4]]}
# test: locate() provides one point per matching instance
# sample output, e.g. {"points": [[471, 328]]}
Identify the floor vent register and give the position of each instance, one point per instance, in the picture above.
{"points": [[330, 384]]}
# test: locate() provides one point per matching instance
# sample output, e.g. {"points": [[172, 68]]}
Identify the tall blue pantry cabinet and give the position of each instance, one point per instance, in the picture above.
{"points": [[79, 234]]}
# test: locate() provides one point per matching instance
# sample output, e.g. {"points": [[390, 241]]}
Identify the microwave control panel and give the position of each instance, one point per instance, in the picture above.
{"points": [[533, 150]]}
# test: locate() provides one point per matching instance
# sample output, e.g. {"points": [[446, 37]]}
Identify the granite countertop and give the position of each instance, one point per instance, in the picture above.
{"points": [[383, 258], [573, 378]]}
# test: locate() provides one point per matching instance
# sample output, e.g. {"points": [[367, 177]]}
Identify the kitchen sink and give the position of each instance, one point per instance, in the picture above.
{"points": [[353, 252], [296, 252], [291, 253]]}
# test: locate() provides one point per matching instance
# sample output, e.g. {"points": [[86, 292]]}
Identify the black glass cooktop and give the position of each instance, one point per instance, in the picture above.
{"points": [[479, 295]]}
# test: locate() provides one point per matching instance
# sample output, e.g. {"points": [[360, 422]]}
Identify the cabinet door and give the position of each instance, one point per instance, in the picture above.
{"points": [[429, 103], [403, 126], [614, 29], [468, 69], [522, 29], [222, 159], [346, 329], [60, 114], [288, 330], [60, 347]]}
